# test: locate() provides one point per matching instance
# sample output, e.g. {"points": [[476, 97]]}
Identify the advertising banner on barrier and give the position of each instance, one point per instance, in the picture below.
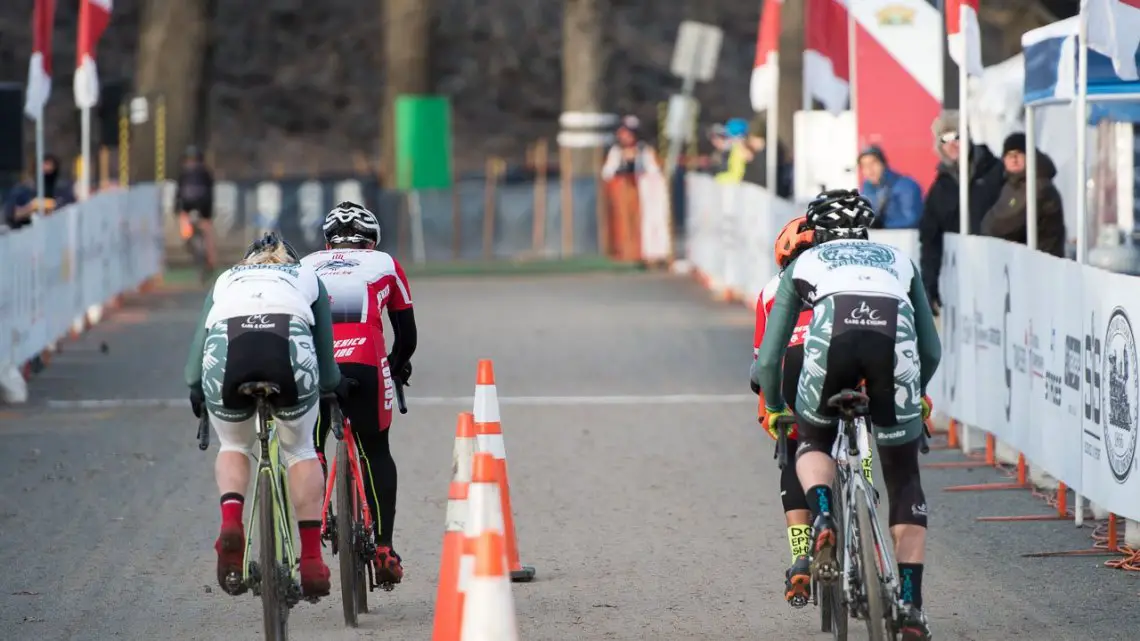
{"points": [[1111, 398]]}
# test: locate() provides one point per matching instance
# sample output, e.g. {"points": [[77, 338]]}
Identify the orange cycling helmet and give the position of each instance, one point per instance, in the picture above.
{"points": [[793, 238]]}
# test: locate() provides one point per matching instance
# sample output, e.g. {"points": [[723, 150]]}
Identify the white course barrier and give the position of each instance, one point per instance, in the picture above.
{"points": [[1037, 351], [59, 271]]}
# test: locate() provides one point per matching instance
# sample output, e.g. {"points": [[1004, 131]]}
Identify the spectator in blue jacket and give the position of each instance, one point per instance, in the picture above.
{"points": [[21, 202], [897, 199]]}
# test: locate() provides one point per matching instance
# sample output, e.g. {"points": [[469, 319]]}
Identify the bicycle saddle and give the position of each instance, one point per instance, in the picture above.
{"points": [[259, 388]]}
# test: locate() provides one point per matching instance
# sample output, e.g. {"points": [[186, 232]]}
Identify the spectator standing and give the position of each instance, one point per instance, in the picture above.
{"points": [[940, 212], [21, 202], [897, 199], [1007, 218], [627, 160], [757, 170], [739, 154], [195, 192]]}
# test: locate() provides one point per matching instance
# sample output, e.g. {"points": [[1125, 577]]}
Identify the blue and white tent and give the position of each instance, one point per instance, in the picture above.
{"points": [[1051, 74]]}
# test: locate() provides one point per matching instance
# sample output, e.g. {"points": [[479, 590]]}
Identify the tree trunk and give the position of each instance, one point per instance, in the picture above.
{"points": [[174, 38], [407, 41], [583, 62]]}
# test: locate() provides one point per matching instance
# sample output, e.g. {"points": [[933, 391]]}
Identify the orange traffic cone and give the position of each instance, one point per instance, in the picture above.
{"points": [[448, 599], [490, 439], [488, 608]]}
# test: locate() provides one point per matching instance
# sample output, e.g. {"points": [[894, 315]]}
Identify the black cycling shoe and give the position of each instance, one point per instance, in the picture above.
{"points": [[912, 624], [824, 566], [797, 583]]}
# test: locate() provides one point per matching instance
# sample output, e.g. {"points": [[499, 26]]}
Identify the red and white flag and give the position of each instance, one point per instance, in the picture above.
{"points": [[766, 70], [93, 18], [1114, 30], [964, 37], [39, 67], [827, 71]]}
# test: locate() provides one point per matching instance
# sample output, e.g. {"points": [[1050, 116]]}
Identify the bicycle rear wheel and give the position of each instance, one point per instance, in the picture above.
{"points": [[275, 611], [833, 610], [869, 568], [348, 551]]}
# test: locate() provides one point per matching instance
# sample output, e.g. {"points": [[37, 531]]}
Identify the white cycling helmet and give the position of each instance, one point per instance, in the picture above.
{"points": [[351, 223]]}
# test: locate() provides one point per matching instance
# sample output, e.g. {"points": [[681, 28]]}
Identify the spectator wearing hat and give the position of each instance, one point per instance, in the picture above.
{"points": [[736, 131], [940, 212], [1007, 218], [897, 199], [628, 159], [22, 203]]}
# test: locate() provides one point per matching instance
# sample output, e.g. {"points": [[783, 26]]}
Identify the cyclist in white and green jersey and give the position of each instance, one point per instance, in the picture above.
{"points": [[871, 321]]}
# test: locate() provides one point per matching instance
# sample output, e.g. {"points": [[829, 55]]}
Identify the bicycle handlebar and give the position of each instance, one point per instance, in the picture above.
{"points": [[782, 425], [204, 431], [400, 402]]}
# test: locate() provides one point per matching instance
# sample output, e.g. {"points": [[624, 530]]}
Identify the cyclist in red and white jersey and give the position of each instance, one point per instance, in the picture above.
{"points": [[792, 240], [362, 283]]}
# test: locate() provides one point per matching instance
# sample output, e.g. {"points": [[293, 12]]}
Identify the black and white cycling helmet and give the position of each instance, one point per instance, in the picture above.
{"points": [[351, 223], [840, 213]]}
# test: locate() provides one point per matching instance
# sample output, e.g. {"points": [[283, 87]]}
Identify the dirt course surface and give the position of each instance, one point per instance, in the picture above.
{"points": [[649, 516]]}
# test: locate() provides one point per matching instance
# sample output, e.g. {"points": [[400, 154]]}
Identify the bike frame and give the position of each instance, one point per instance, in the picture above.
{"points": [[269, 470], [358, 484], [852, 451]]}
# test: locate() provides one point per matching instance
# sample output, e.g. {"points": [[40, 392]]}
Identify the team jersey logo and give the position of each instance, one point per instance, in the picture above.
{"points": [[336, 263]]}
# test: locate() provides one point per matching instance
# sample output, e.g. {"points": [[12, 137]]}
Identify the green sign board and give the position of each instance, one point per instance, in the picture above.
{"points": [[423, 142]]}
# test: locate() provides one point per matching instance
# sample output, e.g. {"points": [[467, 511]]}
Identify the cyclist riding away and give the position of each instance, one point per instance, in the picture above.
{"points": [[362, 283], [195, 192], [871, 320], [266, 319], [792, 240]]}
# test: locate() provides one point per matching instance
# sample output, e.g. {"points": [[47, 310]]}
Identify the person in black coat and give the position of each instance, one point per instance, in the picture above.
{"points": [[940, 212]]}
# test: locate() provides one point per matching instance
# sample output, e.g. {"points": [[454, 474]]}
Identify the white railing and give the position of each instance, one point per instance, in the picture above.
{"points": [[71, 262], [1038, 352]]}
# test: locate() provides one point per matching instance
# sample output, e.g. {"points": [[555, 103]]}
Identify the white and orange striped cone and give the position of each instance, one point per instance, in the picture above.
{"points": [[489, 433], [488, 607], [448, 599]]}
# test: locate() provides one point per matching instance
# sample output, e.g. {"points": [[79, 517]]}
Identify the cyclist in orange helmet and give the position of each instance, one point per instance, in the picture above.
{"points": [[792, 240]]}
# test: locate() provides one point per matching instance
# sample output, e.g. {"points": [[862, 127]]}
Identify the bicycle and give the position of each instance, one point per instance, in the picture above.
{"points": [[351, 527], [196, 244], [825, 597], [276, 576]]}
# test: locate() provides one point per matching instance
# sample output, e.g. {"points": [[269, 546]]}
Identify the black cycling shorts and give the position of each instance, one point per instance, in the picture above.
{"points": [[205, 209], [255, 355]]}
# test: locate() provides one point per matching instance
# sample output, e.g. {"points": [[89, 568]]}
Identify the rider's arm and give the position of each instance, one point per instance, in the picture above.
{"points": [[193, 370], [758, 338], [929, 345], [404, 336], [323, 340], [768, 368]]}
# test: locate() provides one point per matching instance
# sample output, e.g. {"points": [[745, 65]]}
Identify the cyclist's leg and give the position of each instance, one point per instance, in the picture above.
{"points": [[206, 223], [372, 417], [893, 382], [232, 419], [321, 434], [294, 368], [797, 580]]}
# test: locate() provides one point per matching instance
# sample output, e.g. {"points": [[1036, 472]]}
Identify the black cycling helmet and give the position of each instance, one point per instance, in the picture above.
{"points": [[840, 213], [349, 222], [268, 241]]}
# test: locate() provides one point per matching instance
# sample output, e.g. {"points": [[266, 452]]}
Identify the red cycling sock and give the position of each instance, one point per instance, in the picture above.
{"points": [[310, 538], [232, 505]]}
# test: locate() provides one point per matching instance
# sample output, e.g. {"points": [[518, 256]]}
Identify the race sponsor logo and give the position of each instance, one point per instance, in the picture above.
{"points": [[346, 347], [1053, 384], [1073, 362], [799, 334], [1120, 395], [865, 316], [885, 436], [838, 254], [258, 321]]}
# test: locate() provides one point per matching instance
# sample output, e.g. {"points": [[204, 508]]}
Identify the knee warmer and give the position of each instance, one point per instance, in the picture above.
{"points": [[791, 491], [904, 487]]}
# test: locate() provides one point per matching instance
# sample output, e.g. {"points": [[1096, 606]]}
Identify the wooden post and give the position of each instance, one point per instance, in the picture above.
{"points": [[600, 210], [541, 163], [360, 163], [567, 179], [278, 170], [456, 217], [104, 166], [489, 205]]}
